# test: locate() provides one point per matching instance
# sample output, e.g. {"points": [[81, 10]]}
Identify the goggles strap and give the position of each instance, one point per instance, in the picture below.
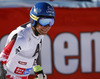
{"points": [[36, 32]]}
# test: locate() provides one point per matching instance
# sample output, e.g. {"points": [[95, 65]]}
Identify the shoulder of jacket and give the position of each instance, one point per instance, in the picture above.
{"points": [[20, 31], [24, 29]]}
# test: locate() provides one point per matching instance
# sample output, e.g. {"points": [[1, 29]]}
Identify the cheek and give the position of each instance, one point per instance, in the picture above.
{"points": [[49, 28], [38, 28]]}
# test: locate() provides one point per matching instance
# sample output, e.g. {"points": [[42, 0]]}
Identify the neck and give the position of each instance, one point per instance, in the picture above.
{"points": [[35, 31]]}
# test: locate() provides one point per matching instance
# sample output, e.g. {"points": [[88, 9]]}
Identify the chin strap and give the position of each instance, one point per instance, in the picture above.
{"points": [[36, 32]]}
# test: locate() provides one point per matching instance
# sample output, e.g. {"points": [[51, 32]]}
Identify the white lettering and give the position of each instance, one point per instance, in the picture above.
{"points": [[65, 46], [87, 41], [60, 53], [46, 57]]}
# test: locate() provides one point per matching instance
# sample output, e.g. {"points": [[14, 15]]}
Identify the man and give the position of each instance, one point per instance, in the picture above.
{"points": [[22, 51]]}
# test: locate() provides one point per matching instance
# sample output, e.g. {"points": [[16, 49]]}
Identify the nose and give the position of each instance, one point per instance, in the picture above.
{"points": [[47, 25]]}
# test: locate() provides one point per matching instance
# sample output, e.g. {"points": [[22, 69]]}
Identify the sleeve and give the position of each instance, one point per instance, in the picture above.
{"points": [[6, 51], [15, 45], [37, 67], [39, 53]]}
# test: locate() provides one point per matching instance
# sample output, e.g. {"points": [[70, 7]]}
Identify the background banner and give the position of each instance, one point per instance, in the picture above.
{"points": [[72, 47]]}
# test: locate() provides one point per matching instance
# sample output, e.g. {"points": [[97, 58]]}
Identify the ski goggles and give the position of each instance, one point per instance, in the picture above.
{"points": [[46, 21]]}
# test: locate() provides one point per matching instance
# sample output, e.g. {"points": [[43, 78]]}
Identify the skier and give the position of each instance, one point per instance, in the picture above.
{"points": [[22, 51]]}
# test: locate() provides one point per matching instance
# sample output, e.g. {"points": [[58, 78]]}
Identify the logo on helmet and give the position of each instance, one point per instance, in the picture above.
{"points": [[50, 10], [37, 10]]}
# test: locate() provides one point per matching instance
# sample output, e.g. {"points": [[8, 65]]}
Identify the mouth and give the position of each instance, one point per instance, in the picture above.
{"points": [[44, 31]]}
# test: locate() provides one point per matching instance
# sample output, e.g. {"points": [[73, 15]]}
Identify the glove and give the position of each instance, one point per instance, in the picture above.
{"points": [[39, 72]]}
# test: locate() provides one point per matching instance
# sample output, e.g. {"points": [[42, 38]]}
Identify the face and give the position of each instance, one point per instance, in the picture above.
{"points": [[43, 29]]}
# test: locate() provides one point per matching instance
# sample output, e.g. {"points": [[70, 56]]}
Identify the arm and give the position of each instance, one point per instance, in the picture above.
{"points": [[4, 56], [7, 50], [37, 68]]}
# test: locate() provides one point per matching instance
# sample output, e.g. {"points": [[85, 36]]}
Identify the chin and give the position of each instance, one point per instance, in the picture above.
{"points": [[43, 33]]}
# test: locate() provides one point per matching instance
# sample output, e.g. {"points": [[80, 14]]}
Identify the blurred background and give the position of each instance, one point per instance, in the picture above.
{"points": [[72, 47]]}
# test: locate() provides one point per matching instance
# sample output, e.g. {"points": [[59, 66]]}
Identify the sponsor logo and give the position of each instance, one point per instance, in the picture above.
{"points": [[18, 49], [22, 63], [22, 71], [19, 70], [27, 71]]}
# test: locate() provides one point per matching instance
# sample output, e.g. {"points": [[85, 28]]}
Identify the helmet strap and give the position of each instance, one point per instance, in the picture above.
{"points": [[36, 32]]}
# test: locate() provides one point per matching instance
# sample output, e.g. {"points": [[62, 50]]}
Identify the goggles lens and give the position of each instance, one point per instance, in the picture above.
{"points": [[46, 21]]}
